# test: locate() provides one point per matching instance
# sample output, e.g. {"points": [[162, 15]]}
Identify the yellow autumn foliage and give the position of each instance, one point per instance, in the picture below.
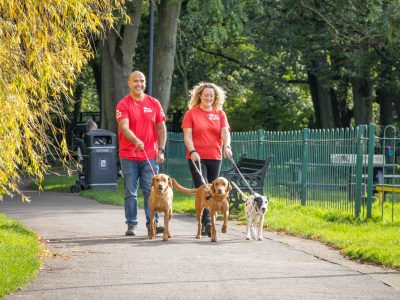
{"points": [[44, 44]]}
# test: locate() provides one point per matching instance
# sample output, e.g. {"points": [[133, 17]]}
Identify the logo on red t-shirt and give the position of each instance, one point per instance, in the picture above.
{"points": [[213, 117], [147, 109], [118, 115]]}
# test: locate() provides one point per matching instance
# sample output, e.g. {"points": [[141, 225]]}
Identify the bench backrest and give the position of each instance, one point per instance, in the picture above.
{"points": [[251, 165], [351, 159]]}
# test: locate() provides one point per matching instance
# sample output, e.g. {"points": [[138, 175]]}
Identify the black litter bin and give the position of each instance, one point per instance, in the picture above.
{"points": [[100, 160]]}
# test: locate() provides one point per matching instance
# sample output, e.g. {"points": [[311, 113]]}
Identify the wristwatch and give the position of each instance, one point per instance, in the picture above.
{"points": [[161, 150]]}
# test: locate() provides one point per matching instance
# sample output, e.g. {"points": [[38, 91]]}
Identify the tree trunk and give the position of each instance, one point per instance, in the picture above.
{"points": [[362, 99], [320, 92], [396, 102], [164, 52], [385, 95], [346, 114], [385, 100], [313, 83], [118, 50]]}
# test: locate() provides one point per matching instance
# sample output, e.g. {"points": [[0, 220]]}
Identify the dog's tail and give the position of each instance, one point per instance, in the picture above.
{"points": [[182, 189], [239, 190]]}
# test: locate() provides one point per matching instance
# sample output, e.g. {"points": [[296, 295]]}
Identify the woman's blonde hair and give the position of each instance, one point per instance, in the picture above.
{"points": [[198, 89]]}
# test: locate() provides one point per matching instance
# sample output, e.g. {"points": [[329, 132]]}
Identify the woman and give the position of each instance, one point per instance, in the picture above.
{"points": [[206, 132]]}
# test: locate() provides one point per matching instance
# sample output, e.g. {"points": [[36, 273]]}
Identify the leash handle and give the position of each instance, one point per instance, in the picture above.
{"points": [[148, 160], [244, 179]]}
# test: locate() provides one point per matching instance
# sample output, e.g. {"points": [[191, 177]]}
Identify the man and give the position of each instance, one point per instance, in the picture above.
{"points": [[142, 137]]}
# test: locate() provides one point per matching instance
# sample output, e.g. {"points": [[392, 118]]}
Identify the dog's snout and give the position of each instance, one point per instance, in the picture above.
{"points": [[160, 187], [263, 209]]}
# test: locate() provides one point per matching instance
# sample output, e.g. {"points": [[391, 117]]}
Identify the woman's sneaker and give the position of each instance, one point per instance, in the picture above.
{"points": [[206, 230], [131, 229]]}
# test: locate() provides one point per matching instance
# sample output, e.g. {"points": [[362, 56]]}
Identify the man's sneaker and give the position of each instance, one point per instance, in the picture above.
{"points": [[131, 229], [159, 229]]}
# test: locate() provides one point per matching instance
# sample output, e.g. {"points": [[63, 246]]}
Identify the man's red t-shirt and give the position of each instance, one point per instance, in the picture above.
{"points": [[143, 117], [206, 131]]}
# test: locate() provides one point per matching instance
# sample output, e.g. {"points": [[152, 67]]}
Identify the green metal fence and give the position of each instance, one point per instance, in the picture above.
{"points": [[331, 169]]}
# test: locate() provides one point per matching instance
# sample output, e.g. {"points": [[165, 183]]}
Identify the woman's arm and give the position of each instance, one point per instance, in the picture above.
{"points": [[226, 140], [188, 140]]}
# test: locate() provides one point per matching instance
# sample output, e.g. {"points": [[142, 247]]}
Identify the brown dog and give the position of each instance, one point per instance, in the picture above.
{"points": [[160, 201], [213, 196]]}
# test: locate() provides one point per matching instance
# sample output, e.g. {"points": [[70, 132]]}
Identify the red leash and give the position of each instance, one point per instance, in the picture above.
{"points": [[148, 160]]}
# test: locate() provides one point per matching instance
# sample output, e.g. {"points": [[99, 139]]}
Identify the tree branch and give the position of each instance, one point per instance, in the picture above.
{"points": [[234, 60]]}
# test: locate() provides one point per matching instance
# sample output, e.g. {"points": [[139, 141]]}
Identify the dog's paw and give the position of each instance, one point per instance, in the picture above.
{"points": [[213, 239], [248, 238], [165, 238], [198, 237], [223, 229], [260, 238]]}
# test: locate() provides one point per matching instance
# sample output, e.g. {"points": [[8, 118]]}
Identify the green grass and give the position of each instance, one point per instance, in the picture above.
{"points": [[371, 240], [56, 183], [19, 255]]}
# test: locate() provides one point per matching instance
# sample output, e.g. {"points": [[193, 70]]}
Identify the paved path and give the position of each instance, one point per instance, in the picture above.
{"points": [[92, 259]]}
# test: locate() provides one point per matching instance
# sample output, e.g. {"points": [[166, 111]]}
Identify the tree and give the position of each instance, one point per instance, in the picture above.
{"points": [[117, 52], [164, 52], [44, 46]]}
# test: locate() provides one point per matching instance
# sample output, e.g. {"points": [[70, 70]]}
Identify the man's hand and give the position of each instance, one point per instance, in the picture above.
{"points": [[139, 145], [160, 157]]}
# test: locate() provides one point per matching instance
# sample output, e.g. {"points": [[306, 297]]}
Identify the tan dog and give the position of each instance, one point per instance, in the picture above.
{"points": [[160, 201], [213, 196]]}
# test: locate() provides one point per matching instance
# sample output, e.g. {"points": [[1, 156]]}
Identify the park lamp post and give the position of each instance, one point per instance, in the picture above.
{"points": [[151, 47]]}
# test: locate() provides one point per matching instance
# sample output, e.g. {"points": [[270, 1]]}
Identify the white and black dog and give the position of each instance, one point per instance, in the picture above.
{"points": [[256, 206]]}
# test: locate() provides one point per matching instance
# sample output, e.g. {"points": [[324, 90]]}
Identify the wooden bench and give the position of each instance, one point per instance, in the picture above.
{"points": [[351, 159], [253, 170], [382, 189]]}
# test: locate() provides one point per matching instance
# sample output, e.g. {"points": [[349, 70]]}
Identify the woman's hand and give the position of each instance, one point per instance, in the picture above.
{"points": [[227, 152], [194, 156]]}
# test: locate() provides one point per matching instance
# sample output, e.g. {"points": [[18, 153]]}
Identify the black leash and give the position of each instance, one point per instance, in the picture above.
{"points": [[240, 173]]}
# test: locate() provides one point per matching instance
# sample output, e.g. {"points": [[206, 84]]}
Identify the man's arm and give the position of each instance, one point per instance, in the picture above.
{"points": [[129, 135], [161, 130]]}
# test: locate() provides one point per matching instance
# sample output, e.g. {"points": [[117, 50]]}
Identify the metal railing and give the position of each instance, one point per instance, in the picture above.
{"points": [[330, 169]]}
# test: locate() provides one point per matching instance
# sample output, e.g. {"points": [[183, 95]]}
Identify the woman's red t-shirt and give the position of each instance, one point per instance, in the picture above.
{"points": [[206, 131]]}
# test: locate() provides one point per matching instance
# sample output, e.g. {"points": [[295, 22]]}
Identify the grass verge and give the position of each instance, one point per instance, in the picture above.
{"points": [[19, 255]]}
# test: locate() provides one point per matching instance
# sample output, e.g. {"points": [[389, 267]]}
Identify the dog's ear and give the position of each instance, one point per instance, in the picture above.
{"points": [[229, 186], [153, 180], [170, 182], [213, 187]]}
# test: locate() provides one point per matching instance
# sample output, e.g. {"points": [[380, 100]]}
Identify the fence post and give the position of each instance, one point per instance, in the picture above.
{"points": [[261, 138], [359, 169], [370, 182], [304, 167]]}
